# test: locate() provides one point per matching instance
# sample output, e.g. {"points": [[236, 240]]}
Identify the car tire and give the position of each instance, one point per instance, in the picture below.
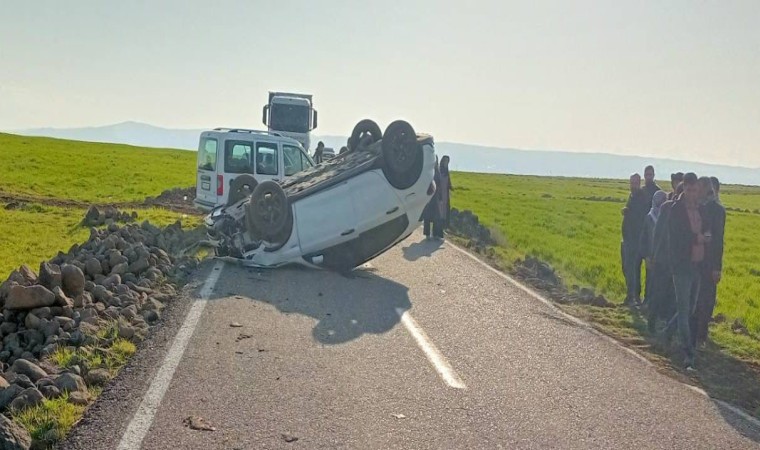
{"points": [[241, 187], [365, 133], [402, 155], [270, 209]]}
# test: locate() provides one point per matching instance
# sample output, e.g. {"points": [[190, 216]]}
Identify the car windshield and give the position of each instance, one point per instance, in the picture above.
{"points": [[293, 118]]}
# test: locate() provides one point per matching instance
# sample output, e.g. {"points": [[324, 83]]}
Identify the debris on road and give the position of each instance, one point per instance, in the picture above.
{"points": [[235, 325], [242, 336], [398, 416], [289, 437], [198, 423]]}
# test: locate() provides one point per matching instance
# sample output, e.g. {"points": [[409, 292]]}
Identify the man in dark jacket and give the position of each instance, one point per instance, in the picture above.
{"points": [[687, 244], [712, 267], [675, 180], [650, 186], [634, 215]]}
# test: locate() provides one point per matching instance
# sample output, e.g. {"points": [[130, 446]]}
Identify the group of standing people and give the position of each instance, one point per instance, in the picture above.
{"points": [[679, 236], [435, 217]]}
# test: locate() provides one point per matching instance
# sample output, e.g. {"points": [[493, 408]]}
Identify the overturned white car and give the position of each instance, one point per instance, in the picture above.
{"points": [[338, 214]]}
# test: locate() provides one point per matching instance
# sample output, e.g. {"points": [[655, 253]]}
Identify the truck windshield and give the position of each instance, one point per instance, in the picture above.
{"points": [[293, 118]]}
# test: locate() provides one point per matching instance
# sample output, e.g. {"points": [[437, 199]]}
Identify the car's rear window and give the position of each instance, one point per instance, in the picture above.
{"points": [[207, 154]]}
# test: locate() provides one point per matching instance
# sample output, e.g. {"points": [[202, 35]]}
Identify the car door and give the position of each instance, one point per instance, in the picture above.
{"points": [[375, 201], [326, 219], [238, 155], [206, 188]]}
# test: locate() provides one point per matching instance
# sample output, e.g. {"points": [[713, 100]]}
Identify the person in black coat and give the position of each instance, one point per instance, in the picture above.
{"points": [[687, 241], [431, 216], [650, 186], [634, 213], [712, 268]]}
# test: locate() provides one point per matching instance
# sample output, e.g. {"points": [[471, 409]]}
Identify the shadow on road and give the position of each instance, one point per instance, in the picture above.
{"points": [[421, 249], [345, 308]]}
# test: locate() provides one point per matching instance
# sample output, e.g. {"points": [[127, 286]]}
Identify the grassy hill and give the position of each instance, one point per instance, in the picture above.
{"points": [[47, 173]]}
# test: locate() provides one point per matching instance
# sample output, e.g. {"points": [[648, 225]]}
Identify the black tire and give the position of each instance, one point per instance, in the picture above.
{"points": [[270, 210], [402, 155], [241, 187], [365, 132]]}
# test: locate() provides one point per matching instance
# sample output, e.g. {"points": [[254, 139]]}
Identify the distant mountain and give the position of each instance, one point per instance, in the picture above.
{"points": [[464, 157], [132, 133]]}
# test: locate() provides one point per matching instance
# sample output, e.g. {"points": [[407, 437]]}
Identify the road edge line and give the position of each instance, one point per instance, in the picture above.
{"points": [[587, 326], [143, 418], [436, 358]]}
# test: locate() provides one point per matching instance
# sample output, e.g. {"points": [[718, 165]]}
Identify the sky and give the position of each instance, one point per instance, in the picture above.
{"points": [[678, 79]]}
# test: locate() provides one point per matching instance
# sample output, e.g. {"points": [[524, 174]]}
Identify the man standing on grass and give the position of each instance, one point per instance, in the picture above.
{"points": [[650, 186], [634, 215], [687, 241], [713, 266]]}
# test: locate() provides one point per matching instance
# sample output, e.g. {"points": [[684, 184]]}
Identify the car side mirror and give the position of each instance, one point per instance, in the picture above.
{"points": [[264, 113], [314, 119]]}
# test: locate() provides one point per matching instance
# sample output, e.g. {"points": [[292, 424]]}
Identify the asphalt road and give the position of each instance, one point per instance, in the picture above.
{"points": [[425, 348]]}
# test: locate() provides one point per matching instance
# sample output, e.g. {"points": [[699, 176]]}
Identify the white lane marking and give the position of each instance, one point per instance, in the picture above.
{"points": [[587, 326], [435, 357], [141, 422]]}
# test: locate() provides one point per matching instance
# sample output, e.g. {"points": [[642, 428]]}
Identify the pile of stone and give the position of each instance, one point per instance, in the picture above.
{"points": [[466, 224], [541, 275], [177, 199], [109, 216], [119, 276]]}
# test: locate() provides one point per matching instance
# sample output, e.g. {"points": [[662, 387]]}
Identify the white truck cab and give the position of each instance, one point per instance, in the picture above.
{"points": [[226, 153], [292, 115]]}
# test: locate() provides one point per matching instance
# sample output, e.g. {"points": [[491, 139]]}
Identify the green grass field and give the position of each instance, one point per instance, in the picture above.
{"points": [[91, 172], [54, 169]]}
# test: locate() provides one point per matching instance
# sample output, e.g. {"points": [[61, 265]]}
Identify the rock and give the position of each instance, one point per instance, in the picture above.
{"points": [[43, 313], [129, 313], [70, 382], [49, 327], [120, 269], [50, 391], [50, 275], [111, 281], [27, 398], [61, 299], [28, 368], [79, 398], [8, 394], [22, 381], [92, 267], [13, 436], [32, 322], [101, 294], [89, 286], [92, 217], [22, 297], [198, 423], [4, 383], [28, 274], [66, 323], [151, 316], [98, 377], [83, 300], [139, 266], [72, 279], [115, 258], [126, 331], [7, 328]]}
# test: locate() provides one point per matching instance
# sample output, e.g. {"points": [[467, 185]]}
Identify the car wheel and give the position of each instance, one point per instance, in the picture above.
{"points": [[365, 132], [402, 155], [242, 186], [271, 211]]}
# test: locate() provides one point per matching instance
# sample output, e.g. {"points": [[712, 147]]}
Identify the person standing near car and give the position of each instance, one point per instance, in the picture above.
{"points": [[634, 213], [444, 188], [687, 241], [712, 268], [431, 215], [319, 152]]}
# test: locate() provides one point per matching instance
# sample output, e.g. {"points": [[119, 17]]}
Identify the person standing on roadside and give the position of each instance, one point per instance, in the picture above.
{"points": [[687, 242], [650, 186], [444, 188], [634, 213], [675, 180], [319, 152], [431, 215], [654, 280], [661, 305], [712, 268]]}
